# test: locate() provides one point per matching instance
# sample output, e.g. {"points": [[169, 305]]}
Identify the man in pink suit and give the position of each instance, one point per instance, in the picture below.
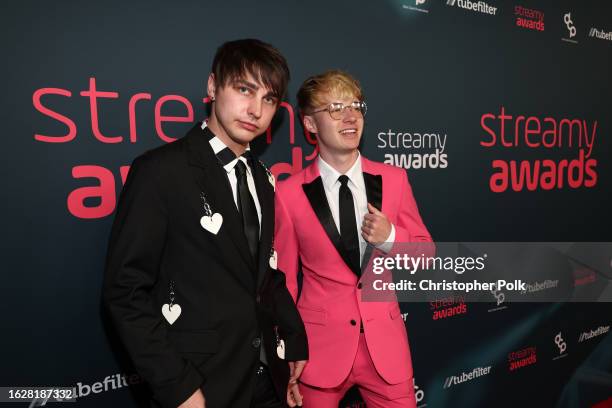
{"points": [[329, 218]]}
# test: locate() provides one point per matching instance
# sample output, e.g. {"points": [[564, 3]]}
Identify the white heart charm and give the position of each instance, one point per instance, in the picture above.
{"points": [[212, 223], [171, 314], [272, 180], [273, 259], [280, 350]]}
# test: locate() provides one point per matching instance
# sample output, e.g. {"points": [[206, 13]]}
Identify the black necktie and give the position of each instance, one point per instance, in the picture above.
{"points": [[246, 205], [348, 223]]}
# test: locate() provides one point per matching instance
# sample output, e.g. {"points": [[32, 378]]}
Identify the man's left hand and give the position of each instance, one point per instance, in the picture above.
{"points": [[294, 398]]}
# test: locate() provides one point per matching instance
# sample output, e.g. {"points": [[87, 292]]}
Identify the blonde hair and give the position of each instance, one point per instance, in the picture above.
{"points": [[338, 83]]}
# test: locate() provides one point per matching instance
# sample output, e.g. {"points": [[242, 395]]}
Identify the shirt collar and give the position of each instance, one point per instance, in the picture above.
{"points": [[225, 155], [329, 175]]}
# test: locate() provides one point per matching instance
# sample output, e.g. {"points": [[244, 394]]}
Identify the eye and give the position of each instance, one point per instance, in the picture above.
{"points": [[270, 100], [335, 107], [244, 90], [359, 106]]}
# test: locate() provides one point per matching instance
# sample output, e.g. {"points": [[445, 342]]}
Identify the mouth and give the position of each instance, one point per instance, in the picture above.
{"points": [[349, 132], [248, 126]]}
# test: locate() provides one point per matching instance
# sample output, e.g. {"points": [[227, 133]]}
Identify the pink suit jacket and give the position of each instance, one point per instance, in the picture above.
{"points": [[330, 303]]}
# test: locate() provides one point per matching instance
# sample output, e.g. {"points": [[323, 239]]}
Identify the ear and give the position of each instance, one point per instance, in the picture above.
{"points": [[310, 124], [211, 87]]}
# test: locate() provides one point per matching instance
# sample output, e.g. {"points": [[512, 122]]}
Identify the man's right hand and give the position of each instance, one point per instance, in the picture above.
{"points": [[195, 401]]}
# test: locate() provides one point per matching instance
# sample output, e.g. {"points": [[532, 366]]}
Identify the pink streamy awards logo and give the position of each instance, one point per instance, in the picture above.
{"points": [[560, 151], [103, 186], [530, 19]]}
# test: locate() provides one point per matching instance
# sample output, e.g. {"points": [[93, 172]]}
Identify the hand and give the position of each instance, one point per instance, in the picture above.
{"points": [[195, 401], [294, 398], [375, 228]]}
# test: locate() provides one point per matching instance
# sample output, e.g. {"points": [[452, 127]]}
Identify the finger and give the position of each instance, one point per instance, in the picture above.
{"points": [[297, 395], [370, 217], [372, 209], [290, 399]]}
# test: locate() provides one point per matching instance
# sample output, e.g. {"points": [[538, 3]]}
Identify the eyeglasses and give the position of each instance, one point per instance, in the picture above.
{"points": [[336, 110]]}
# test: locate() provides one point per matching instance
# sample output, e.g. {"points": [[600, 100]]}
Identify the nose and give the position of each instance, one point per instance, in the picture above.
{"points": [[255, 108], [350, 115]]}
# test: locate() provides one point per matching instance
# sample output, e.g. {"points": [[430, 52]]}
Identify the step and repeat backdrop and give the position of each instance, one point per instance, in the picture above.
{"points": [[500, 112]]}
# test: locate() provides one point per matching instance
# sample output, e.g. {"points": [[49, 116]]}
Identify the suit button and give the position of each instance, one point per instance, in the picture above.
{"points": [[353, 322], [256, 342], [359, 285]]}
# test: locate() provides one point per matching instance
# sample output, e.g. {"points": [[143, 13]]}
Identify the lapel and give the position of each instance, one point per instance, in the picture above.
{"points": [[374, 193], [213, 182], [315, 192], [265, 194]]}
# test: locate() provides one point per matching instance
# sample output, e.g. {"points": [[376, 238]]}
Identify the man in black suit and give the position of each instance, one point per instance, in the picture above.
{"points": [[191, 281]]}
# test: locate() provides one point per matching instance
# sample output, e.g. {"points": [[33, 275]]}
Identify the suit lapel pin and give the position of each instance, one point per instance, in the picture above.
{"points": [[280, 344], [210, 221], [273, 259], [171, 311]]}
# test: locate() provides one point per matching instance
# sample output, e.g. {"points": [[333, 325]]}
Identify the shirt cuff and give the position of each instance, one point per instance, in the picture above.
{"points": [[388, 244]]}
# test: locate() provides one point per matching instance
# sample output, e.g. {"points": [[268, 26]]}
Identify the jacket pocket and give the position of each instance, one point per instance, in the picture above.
{"points": [[312, 315]]}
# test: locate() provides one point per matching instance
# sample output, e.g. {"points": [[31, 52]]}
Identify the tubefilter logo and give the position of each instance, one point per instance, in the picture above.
{"points": [[466, 376], [474, 6], [601, 34]]}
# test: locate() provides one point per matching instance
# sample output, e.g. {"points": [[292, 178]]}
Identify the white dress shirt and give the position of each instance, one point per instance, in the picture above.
{"points": [[217, 145], [356, 184]]}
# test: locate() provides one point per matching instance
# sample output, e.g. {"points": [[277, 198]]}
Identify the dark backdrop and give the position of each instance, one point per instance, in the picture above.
{"points": [[432, 68]]}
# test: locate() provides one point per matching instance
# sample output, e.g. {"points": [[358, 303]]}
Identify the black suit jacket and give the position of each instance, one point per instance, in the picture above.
{"points": [[228, 300]]}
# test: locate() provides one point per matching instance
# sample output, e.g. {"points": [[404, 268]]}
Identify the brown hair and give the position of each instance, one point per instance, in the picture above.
{"points": [[264, 62], [334, 82]]}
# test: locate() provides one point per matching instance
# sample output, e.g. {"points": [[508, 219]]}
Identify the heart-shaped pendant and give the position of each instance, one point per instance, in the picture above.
{"points": [[212, 223], [273, 259], [171, 313], [280, 349]]}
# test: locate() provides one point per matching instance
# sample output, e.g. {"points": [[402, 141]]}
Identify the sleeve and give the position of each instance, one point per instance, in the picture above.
{"points": [[409, 226], [286, 244], [135, 250], [291, 327], [286, 286], [388, 244], [411, 235]]}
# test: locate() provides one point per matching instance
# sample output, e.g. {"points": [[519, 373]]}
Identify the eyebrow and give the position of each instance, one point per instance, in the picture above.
{"points": [[246, 83], [342, 103], [255, 87]]}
